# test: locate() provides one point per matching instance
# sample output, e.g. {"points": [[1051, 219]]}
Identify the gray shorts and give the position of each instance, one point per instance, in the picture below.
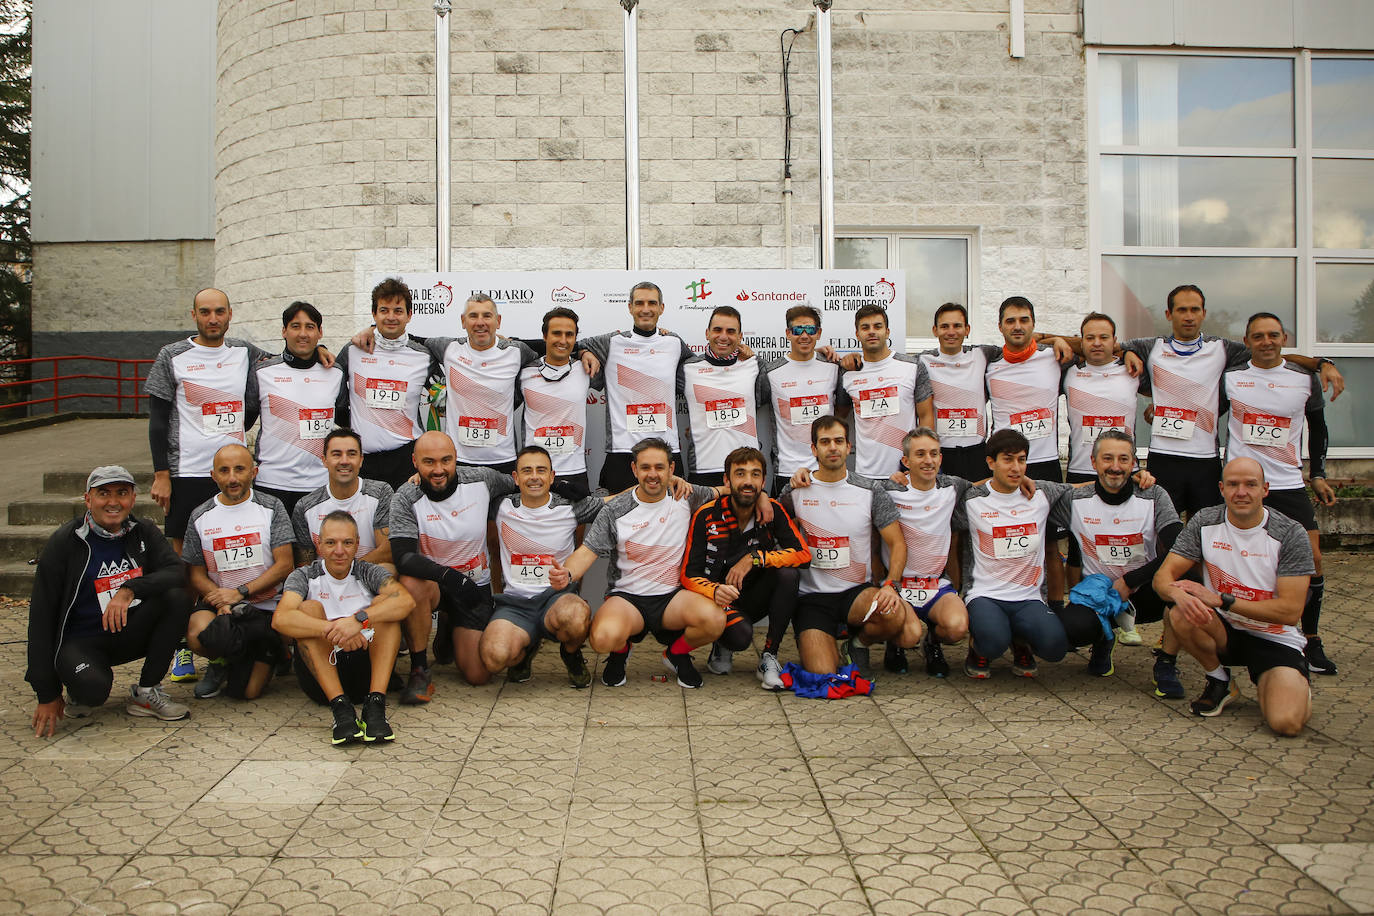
{"points": [[528, 613]]}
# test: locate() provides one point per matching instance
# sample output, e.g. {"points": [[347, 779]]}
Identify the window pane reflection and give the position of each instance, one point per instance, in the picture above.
{"points": [[1152, 100], [1202, 201], [1345, 303], [1135, 287], [1342, 117], [1343, 203], [1350, 419], [936, 273], [860, 253]]}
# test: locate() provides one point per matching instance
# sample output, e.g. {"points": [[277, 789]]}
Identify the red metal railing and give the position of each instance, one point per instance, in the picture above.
{"points": [[126, 378]]}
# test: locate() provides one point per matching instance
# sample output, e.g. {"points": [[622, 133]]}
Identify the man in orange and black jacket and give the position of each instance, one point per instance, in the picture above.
{"points": [[748, 567]]}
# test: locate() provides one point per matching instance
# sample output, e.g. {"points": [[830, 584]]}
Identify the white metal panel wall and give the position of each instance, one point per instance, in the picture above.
{"points": [[123, 120], [1318, 24]]}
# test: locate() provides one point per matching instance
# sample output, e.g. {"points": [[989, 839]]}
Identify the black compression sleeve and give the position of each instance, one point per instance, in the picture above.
{"points": [[159, 425], [1138, 578], [1317, 439], [410, 562]]}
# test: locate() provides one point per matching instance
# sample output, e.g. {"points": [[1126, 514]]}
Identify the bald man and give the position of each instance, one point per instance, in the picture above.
{"points": [[1256, 564], [439, 546], [238, 553]]}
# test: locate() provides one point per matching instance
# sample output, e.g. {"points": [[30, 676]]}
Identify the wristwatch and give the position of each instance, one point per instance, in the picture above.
{"points": [[243, 590], [1227, 601], [361, 617]]}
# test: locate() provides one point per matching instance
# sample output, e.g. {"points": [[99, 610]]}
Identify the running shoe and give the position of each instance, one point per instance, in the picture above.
{"points": [[977, 665], [769, 672], [375, 726], [419, 687], [857, 654], [1100, 662], [152, 701], [1165, 677], [1126, 633], [1317, 661], [680, 663], [1023, 663], [1129, 637], [73, 710], [346, 725], [936, 666], [1215, 695], [613, 672], [216, 673], [576, 663], [721, 660], [523, 670], [894, 658], [183, 666]]}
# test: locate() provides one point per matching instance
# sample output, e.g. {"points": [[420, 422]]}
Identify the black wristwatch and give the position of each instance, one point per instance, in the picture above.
{"points": [[1227, 601], [360, 616], [243, 590]]}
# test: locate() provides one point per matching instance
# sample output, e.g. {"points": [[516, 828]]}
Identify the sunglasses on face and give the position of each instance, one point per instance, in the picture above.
{"points": [[800, 329]]}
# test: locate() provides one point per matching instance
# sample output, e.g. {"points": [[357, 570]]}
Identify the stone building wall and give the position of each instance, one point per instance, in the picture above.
{"points": [[325, 141]]}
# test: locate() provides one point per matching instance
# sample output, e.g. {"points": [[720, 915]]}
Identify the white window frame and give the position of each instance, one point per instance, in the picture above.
{"points": [[894, 235], [1302, 154]]}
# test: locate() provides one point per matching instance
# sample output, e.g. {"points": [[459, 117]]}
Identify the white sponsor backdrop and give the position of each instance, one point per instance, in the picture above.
{"points": [[601, 300]]}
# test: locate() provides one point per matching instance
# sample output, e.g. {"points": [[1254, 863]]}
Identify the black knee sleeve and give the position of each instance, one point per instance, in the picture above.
{"points": [[88, 681], [738, 635]]}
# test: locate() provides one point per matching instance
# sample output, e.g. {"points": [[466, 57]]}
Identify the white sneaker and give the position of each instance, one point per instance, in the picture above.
{"points": [[73, 710], [1126, 633], [770, 672], [152, 701], [721, 661], [1129, 637]]}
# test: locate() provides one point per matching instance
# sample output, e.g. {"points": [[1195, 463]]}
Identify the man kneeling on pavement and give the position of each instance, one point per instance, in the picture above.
{"points": [[108, 590]]}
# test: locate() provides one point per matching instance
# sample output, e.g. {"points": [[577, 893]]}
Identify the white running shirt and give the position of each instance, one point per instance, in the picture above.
{"points": [[556, 416], [1116, 539], [385, 389], [235, 543], [838, 520], [1007, 538], [721, 411], [297, 413], [1186, 390], [370, 507], [210, 390], [799, 392], [1099, 398], [1025, 397], [480, 407], [341, 597], [644, 542], [1268, 415], [959, 385], [926, 518], [532, 537], [641, 386], [884, 395], [453, 531]]}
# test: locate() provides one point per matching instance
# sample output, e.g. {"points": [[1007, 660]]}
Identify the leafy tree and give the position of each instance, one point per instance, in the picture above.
{"points": [[16, 249]]}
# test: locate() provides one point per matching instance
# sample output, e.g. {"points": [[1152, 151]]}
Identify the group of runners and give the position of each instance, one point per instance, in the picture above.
{"points": [[413, 487]]}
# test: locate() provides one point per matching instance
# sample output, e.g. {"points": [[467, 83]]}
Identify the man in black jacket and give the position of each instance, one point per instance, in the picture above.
{"points": [[108, 590]]}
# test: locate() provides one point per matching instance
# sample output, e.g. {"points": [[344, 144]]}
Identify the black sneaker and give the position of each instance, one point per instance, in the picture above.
{"points": [[443, 640], [936, 666], [419, 687], [977, 665], [613, 672], [1100, 662], [894, 658], [1317, 662], [522, 671], [680, 663], [1023, 663], [576, 663], [375, 726], [346, 725], [1215, 696], [1165, 677]]}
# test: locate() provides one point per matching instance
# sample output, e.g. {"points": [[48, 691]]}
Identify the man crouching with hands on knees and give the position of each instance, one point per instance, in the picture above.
{"points": [[346, 616], [1256, 563]]}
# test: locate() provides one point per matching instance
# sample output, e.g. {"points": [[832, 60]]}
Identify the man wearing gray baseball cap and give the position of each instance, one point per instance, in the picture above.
{"points": [[108, 590]]}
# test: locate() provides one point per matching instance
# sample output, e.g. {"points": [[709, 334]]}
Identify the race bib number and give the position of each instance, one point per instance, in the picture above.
{"points": [[556, 440], [532, 568], [316, 424], [919, 592], [242, 551], [1120, 549], [879, 402], [1245, 593], [1265, 429], [646, 418], [828, 553], [479, 432], [725, 413], [219, 418], [1095, 426], [956, 421], [802, 411], [1173, 422], [1010, 542], [1034, 424], [385, 394], [106, 586]]}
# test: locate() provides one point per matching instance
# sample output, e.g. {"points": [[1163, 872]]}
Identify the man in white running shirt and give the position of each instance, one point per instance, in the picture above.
{"points": [[386, 380], [721, 389], [1256, 564], [538, 531], [839, 512], [800, 387], [1271, 402], [643, 533], [1100, 393], [298, 397], [888, 392], [368, 502], [958, 384], [556, 390]]}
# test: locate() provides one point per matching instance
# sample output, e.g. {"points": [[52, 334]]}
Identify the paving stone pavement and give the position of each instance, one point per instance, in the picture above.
{"points": [[1068, 794]]}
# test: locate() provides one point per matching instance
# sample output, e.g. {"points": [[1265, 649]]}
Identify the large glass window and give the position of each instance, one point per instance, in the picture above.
{"points": [[1252, 176], [939, 268]]}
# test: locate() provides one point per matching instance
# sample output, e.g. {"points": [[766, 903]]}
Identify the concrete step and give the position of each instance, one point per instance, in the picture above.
{"points": [[53, 510], [21, 543], [16, 579], [73, 483]]}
